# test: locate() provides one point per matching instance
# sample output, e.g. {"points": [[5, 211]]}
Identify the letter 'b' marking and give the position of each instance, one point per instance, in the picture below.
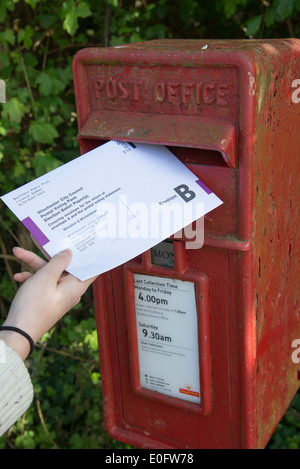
{"points": [[184, 192]]}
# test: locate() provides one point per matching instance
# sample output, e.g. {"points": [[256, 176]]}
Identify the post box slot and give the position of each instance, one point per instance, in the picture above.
{"points": [[188, 155], [88, 144], [203, 133], [198, 156]]}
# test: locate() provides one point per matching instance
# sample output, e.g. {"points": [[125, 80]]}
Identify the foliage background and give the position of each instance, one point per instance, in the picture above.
{"points": [[38, 133]]}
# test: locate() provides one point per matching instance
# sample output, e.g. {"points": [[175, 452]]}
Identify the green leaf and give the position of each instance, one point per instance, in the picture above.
{"points": [[42, 132], [95, 377], [9, 36], [46, 21], [19, 169], [3, 130], [114, 3], [72, 335], [26, 441], [68, 390], [43, 162], [76, 441], [92, 340], [14, 109], [45, 83], [54, 81], [231, 6], [297, 4], [5, 58], [32, 3], [29, 32], [270, 16], [4, 6], [253, 25], [21, 34], [82, 10], [284, 9]]}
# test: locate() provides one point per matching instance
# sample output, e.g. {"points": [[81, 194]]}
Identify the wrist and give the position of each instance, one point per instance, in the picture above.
{"points": [[17, 342]]}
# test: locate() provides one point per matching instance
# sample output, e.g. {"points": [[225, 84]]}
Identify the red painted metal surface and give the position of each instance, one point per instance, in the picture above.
{"points": [[227, 112]]}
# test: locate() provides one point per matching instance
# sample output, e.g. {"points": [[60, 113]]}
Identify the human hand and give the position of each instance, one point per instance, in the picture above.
{"points": [[43, 299]]}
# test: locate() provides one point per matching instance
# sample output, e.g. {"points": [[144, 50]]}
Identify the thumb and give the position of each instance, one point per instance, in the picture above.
{"points": [[59, 263]]}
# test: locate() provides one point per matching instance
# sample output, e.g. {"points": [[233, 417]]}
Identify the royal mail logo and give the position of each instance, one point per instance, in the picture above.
{"points": [[189, 392]]}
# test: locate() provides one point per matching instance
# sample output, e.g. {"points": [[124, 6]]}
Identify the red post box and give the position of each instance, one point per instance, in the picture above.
{"points": [[196, 344]]}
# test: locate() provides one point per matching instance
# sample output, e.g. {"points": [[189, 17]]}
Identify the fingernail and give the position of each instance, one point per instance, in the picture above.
{"points": [[66, 252]]}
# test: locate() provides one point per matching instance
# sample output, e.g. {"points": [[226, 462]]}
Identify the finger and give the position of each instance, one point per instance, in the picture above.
{"points": [[58, 264], [40, 247], [29, 257], [70, 284], [82, 285], [22, 276], [72, 288]]}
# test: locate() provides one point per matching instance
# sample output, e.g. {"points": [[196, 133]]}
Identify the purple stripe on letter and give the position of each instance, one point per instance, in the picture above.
{"points": [[35, 231], [203, 186]]}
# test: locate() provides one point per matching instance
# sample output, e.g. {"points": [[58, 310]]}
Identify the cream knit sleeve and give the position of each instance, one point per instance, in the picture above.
{"points": [[16, 391]]}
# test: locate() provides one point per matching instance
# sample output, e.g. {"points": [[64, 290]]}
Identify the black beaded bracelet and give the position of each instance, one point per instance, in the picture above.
{"points": [[23, 333]]}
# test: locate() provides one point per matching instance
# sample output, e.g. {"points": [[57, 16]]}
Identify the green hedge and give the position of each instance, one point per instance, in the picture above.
{"points": [[38, 129]]}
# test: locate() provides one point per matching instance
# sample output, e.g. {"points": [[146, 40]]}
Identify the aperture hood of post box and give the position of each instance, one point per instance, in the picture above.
{"points": [[207, 133]]}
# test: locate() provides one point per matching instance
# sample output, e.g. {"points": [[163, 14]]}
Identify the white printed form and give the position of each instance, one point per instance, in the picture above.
{"points": [[166, 316], [111, 204]]}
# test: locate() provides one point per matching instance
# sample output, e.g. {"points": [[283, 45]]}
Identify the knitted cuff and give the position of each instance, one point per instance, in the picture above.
{"points": [[16, 391]]}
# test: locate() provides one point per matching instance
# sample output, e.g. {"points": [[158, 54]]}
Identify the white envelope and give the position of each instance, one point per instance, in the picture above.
{"points": [[111, 204]]}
